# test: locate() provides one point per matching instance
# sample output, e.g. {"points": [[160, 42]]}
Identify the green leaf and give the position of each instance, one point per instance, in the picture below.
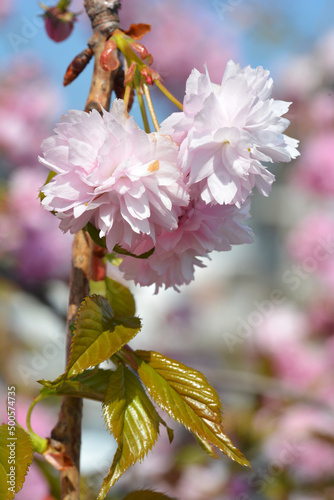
{"points": [[113, 259], [186, 395], [132, 419], [120, 298], [3, 483], [147, 495], [94, 234], [97, 288], [98, 334], [92, 384], [122, 251], [16, 455], [206, 446]]}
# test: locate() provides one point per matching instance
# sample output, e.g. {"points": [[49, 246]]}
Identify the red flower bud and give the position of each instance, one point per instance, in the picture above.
{"points": [[58, 22], [150, 75]]}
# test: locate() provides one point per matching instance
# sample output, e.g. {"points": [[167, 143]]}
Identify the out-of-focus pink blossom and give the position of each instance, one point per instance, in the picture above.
{"points": [[28, 107], [315, 168], [30, 238], [304, 74], [324, 54], [199, 482], [6, 8], [300, 76], [282, 327], [113, 174], [226, 132], [35, 486], [299, 443], [301, 365], [177, 47], [201, 229], [321, 110], [312, 246], [283, 338], [321, 318]]}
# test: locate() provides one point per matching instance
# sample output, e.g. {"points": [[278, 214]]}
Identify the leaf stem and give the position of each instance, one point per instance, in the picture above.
{"points": [[168, 94], [39, 444], [151, 107], [32, 406]]}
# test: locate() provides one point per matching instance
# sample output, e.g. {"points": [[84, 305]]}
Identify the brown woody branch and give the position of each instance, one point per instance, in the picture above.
{"points": [[104, 18]]}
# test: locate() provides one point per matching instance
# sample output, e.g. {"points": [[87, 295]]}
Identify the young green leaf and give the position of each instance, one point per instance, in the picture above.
{"points": [[132, 419], [186, 396], [3, 483], [147, 495], [120, 298], [16, 455], [86, 385], [98, 334]]}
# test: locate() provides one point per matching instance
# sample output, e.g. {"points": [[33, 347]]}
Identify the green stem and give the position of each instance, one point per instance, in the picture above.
{"points": [[168, 94], [39, 444], [143, 112], [151, 108], [32, 406]]}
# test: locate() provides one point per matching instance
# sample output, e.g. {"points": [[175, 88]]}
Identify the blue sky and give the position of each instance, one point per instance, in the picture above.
{"points": [[268, 33]]}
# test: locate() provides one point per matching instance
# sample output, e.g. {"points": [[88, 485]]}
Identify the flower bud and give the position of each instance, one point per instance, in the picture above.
{"points": [[59, 21]]}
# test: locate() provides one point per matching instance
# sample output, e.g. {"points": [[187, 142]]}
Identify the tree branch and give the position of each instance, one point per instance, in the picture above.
{"points": [[104, 18]]}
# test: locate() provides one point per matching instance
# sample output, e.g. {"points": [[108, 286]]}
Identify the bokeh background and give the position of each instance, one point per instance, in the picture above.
{"points": [[257, 321]]}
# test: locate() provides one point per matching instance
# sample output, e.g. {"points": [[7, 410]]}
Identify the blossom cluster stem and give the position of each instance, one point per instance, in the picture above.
{"points": [[142, 107], [151, 107], [68, 428], [127, 95], [168, 94]]}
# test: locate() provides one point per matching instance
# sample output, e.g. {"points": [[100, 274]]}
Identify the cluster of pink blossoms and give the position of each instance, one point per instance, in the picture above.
{"points": [[183, 190]]}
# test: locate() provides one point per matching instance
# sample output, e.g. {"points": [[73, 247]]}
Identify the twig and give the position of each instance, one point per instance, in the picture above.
{"points": [[104, 18]]}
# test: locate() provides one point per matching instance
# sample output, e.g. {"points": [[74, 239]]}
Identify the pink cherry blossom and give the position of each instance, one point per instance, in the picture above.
{"points": [[295, 444], [282, 337], [284, 326], [6, 8], [226, 131], [311, 244], [28, 107], [321, 317], [315, 168], [30, 240], [202, 228], [300, 365], [114, 175], [321, 111]]}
